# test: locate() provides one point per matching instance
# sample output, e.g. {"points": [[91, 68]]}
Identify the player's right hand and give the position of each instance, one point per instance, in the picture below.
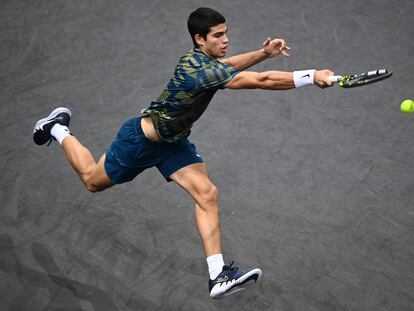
{"points": [[321, 78]]}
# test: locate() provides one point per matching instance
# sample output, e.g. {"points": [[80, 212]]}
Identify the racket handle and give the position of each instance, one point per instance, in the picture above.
{"points": [[334, 79]]}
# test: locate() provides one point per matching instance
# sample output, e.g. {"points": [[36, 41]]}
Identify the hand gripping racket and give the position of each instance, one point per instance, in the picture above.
{"points": [[364, 78]]}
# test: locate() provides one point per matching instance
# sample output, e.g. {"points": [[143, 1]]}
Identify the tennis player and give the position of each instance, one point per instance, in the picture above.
{"points": [[159, 136]]}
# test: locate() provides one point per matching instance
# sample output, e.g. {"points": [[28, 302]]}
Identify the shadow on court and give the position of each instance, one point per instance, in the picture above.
{"points": [[64, 293]]}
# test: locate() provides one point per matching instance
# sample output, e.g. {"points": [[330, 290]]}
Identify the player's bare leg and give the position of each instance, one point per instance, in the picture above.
{"points": [[55, 126], [224, 280], [194, 179], [92, 174]]}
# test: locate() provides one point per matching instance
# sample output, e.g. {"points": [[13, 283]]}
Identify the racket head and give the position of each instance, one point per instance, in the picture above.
{"points": [[364, 78]]}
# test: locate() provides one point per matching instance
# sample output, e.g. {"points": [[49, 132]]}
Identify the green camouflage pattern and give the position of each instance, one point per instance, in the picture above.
{"points": [[196, 79]]}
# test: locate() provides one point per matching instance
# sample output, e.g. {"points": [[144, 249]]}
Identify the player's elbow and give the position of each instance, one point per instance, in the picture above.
{"points": [[268, 80], [250, 80], [267, 84], [272, 80], [264, 81]]}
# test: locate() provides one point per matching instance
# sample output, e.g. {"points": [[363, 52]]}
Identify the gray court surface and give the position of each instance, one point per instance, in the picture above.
{"points": [[316, 186]]}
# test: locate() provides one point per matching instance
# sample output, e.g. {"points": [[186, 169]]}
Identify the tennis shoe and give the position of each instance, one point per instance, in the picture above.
{"points": [[41, 131], [231, 280]]}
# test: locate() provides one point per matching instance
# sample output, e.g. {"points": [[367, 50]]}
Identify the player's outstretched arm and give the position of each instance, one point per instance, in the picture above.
{"points": [[271, 48], [280, 80]]}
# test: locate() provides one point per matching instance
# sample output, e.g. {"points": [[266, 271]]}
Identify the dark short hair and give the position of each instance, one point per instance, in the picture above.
{"points": [[201, 20]]}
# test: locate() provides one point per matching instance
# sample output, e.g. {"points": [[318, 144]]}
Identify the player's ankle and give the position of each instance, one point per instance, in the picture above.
{"points": [[60, 132], [215, 265]]}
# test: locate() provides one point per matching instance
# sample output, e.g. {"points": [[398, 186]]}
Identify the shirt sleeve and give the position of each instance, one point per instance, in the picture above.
{"points": [[217, 76]]}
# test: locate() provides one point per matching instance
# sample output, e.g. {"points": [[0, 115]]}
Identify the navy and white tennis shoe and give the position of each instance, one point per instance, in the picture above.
{"points": [[231, 280], [41, 131]]}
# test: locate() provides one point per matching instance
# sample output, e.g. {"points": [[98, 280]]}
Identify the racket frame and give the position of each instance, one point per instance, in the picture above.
{"points": [[347, 81]]}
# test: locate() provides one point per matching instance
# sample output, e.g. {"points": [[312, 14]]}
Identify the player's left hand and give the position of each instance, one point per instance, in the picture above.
{"points": [[273, 47]]}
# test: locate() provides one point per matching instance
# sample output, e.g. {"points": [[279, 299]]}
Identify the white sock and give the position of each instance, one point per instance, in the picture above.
{"points": [[60, 132], [215, 265]]}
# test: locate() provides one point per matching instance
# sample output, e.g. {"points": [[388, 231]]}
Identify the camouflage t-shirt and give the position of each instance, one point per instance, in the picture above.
{"points": [[196, 79]]}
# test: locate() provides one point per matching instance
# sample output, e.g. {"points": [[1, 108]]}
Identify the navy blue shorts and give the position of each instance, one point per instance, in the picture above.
{"points": [[132, 152]]}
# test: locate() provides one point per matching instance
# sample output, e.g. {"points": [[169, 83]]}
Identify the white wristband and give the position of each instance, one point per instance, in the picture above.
{"points": [[303, 77]]}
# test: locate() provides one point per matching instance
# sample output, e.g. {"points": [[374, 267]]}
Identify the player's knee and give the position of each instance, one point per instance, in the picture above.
{"points": [[208, 194], [91, 187], [95, 182]]}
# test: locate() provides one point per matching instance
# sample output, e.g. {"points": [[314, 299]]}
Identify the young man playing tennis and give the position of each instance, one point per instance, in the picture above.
{"points": [[159, 136]]}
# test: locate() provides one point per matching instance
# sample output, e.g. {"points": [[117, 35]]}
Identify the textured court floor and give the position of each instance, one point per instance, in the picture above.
{"points": [[316, 186]]}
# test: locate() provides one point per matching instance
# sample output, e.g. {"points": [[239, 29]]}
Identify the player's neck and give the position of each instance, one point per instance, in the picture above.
{"points": [[204, 52]]}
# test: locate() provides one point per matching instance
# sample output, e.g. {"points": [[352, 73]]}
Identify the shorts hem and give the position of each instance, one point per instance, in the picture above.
{"points": [[178, 167]]}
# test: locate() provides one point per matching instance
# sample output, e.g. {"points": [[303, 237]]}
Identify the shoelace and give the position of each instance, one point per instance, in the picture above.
{"points": [[230, 267]]}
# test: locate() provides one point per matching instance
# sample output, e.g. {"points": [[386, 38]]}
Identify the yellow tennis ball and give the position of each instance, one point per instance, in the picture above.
{"points": [[407, 106]]}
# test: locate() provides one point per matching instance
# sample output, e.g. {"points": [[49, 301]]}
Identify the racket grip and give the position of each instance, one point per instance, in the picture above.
{"points": [[334, 79]]}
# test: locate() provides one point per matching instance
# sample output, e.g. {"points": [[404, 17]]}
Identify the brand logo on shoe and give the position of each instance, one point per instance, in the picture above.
{"points": [[223, 279]]}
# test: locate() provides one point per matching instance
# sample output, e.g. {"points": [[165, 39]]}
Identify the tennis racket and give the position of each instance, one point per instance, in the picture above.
{"points": [[364, 78]]}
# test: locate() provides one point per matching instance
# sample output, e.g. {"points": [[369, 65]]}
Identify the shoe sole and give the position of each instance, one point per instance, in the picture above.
{"points": [[52, 115], [241, 284]]}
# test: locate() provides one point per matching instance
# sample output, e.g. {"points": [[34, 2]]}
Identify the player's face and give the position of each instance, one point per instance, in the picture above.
{"points": [[216, 42]]}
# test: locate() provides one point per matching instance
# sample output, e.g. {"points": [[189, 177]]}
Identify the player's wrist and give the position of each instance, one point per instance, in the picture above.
{"points": [[264, 54], [303, 77]]}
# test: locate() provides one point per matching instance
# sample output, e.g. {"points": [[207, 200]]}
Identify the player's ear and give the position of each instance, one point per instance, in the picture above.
{"points": [[199, 39]]}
